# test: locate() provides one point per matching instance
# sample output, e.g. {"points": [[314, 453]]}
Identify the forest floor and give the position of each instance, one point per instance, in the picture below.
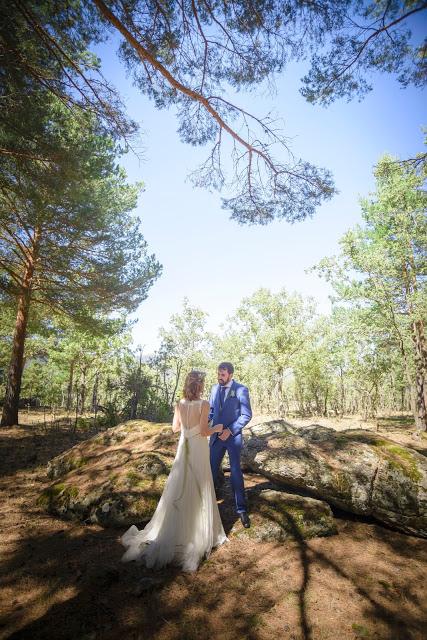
{"points": [[63, 580]]}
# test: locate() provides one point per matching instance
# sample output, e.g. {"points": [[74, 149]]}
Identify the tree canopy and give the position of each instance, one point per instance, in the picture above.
{"points": [[194, 55], [74, 221]]}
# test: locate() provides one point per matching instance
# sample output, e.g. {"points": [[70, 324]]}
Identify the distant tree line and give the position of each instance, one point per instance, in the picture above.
{"points": [[368, 356]]}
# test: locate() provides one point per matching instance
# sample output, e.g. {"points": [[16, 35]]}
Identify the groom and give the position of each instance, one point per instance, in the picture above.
{"points": [[230, 406]]}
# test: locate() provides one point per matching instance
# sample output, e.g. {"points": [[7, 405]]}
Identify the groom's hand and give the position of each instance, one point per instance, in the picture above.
{"points": [[225, 434]]}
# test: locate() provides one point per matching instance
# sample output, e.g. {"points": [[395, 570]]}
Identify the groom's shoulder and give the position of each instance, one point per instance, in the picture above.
{"points": [[240, 387]]}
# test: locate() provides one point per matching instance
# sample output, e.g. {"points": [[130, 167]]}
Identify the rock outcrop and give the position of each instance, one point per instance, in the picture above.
{"points": [[355, 470], [278, 516], [115, 478]]}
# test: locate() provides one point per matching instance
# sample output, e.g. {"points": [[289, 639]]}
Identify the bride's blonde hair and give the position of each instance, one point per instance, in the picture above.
{"points": [[193, 385]]}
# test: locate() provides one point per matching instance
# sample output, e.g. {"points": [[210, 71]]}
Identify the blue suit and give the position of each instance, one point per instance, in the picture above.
{"points": [[234, 415]]}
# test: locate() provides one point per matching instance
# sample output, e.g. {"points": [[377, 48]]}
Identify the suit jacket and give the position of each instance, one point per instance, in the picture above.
{"points": [[236, 412]]}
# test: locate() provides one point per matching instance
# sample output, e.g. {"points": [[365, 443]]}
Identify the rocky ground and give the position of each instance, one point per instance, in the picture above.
{"points": [[64, 580]]}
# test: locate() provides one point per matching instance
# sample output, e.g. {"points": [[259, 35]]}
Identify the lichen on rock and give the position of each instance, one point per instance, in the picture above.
{"points": [[353, 469], [115, 478], [278, 516]]}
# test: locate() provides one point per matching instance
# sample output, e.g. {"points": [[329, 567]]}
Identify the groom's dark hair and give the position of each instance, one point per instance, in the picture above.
{"points": [[226, 365]]}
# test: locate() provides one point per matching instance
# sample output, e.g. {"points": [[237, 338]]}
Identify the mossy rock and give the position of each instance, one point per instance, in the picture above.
{"points": [[354, 469], [153, 464], [59, 498], [278, 516], [63, 465], [110, 504], [115, 478]]}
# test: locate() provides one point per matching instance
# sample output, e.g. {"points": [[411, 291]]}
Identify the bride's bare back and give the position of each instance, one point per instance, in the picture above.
{"points": [[192, 413]]}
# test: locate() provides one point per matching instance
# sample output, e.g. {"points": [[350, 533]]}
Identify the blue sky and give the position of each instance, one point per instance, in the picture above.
{"points": [[212, 260]]}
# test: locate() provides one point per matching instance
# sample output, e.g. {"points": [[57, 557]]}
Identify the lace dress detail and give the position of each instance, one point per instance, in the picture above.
{"points": [[186, 524]]}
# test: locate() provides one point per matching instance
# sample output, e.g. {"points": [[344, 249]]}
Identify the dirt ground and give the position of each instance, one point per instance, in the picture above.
{"points": [[62, 580]]}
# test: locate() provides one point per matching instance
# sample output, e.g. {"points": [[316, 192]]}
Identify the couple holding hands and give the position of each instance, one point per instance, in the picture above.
{"points": [[186, 524]]}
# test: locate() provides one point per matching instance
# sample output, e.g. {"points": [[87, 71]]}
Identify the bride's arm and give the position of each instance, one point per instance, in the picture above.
{"points": [[176, 422], [205, 430]]}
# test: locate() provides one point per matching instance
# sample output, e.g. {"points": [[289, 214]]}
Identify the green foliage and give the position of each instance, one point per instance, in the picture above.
{"points": [[44, 49], [72, 370], [186, 56], [362, 358], [264, 340], [376, 37], [89, 254], [69, 243], [382, 273], [185, 345]]}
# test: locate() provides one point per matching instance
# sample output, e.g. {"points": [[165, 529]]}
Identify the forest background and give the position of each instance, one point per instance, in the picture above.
{"points": [[75, 266]]}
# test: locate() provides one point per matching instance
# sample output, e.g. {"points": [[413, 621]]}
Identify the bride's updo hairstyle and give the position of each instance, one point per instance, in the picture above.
{"points": [[193, 386]]}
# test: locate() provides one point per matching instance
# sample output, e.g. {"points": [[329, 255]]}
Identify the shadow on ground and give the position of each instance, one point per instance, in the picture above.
{"points": [[64, 581]]}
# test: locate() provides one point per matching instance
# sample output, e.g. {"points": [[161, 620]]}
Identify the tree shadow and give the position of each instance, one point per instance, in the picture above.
{"points": [[296, 537], [229, 519], [401, 422], [401, 625], [82, 590], [61, 564], [26, 447], [97, 593], [94, 590]]}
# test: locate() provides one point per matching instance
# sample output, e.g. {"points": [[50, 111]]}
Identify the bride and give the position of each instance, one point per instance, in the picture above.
{"points": [[186, 524]]}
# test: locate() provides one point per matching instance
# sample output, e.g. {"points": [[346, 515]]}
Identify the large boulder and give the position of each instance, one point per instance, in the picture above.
{"points": [[355, 470], [115, 478], [277, 516]]}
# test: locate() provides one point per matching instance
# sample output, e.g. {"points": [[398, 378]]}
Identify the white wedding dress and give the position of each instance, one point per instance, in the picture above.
{"points": [[186, 524]]}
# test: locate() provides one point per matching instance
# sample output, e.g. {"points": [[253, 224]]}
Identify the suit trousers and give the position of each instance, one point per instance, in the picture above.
{"points": [[217, 451]]}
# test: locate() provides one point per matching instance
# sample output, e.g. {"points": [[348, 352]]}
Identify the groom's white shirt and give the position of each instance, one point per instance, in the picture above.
{"points": [[227, 389]]}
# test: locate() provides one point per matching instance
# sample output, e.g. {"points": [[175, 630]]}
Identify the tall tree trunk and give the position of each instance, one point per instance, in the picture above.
{"points": [[317, 402], [135, 397], [70, 385], [325, 403], [280, 401], [95, 393], [13, 385], [164, 387], [420, 352], [16, 367], [419, 342], [177, 379], [83, 390], [342, 393], [137, 389]]}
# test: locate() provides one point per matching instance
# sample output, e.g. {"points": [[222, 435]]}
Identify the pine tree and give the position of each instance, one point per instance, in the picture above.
{"points": [[68, 240]]}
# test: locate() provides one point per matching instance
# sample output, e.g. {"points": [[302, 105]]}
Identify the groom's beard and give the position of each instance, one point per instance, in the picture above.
{"points": [[223, 382]]}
